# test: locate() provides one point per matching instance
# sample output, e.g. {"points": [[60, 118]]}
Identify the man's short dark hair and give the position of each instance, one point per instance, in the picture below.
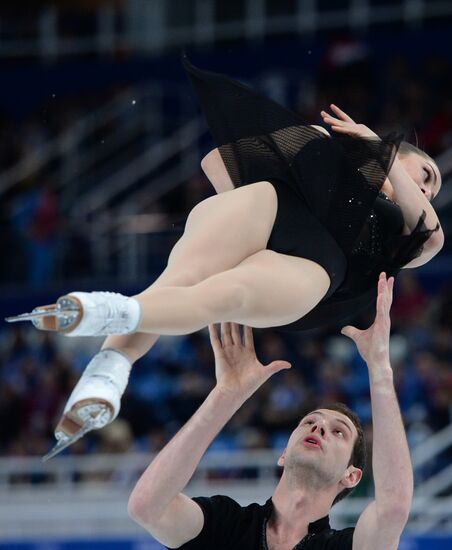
{"points": [[358, 456]]}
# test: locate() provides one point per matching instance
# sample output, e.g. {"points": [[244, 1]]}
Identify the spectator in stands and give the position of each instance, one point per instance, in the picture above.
{"points": [[35, 220], [323, 461], [43, 232], [410, 302]]}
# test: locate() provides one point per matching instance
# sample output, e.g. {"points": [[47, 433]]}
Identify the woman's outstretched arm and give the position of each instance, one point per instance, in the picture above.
{"points": [[407, 193], [412, 200], [413, 203]]}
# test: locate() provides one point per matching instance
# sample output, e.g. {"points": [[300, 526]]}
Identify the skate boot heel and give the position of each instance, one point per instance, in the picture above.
{"points": [[62, 316], [86, 314], [85, 416], [96, 399]]}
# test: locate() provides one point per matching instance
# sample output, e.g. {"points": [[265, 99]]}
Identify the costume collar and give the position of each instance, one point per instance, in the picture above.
{"points": [[315, 527]]}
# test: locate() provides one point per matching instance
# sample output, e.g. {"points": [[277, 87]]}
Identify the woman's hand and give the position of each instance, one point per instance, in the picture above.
{"points": [[237, 369], [344, 124]]}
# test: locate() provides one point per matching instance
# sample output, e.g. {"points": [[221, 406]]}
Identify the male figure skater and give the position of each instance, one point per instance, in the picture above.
{"points": [[322, 462]]}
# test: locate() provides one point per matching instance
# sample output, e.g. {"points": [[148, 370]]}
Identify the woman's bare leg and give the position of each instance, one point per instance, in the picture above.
{"points": [[266, 289], [220, 232], [137, 344]]}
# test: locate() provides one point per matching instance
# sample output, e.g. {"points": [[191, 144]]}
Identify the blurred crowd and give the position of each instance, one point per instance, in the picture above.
{"points": [[38, 372], [45, 243], [43, 246]]}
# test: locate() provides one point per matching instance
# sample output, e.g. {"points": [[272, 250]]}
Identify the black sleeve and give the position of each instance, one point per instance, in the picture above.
{"points": [[256, 137], [220, 514]]}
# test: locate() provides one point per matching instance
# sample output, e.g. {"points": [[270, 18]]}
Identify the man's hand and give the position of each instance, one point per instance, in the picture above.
{"points": [[237, 369], [373, 343], [344, 124]]}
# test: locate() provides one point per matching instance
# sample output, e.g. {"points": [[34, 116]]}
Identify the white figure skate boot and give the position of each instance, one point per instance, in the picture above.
{"points": [[95, 400], [86, 314]]}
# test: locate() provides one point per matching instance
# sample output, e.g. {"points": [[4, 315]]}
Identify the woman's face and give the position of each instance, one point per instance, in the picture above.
{"points": [[424, 172]]}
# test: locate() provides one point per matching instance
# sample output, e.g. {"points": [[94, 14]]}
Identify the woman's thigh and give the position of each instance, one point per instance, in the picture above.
{"points": [[221, 232], [275, 289]]}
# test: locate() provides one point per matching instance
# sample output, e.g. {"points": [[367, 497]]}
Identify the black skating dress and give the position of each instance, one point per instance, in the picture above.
{"points": [[330, 208]]}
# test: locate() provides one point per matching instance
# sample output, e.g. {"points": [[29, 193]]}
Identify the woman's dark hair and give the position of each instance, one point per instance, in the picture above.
{"points": [[359, 453], [406, 148]]}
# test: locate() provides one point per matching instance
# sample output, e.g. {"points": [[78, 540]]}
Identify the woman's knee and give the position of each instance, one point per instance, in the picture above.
{"points": [[201, 209]]}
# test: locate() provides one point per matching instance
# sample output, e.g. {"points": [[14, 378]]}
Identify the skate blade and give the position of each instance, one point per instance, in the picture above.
{"points": [[65, 441], [62, 316], [87, 415], [30, 316]]}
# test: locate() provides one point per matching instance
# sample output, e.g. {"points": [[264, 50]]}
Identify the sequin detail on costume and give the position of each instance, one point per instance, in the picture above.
{"points": [[369, 241]]}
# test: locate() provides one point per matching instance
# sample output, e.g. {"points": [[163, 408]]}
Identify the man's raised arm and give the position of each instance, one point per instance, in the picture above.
{"points": [[381, 524], [157, 503]]}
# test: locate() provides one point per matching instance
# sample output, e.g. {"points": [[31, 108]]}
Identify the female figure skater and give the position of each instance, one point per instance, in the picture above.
{"points": [[303, 224]]}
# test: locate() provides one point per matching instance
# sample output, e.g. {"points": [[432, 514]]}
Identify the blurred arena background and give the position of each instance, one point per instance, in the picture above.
{"points": [[101, 141]]}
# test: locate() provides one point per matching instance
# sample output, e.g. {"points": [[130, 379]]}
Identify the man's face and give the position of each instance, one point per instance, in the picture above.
{"points": [[319, 449], [424, 172]]}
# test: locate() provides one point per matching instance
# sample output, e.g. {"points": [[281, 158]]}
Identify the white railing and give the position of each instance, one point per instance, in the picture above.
{"points": [[136, 116], [91, 492], [185, 137], [65, 143], [100, 512], [432, 447]]}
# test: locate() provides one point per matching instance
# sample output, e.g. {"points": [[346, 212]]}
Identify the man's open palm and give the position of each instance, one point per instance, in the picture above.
{"points": [[237, 368]]}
